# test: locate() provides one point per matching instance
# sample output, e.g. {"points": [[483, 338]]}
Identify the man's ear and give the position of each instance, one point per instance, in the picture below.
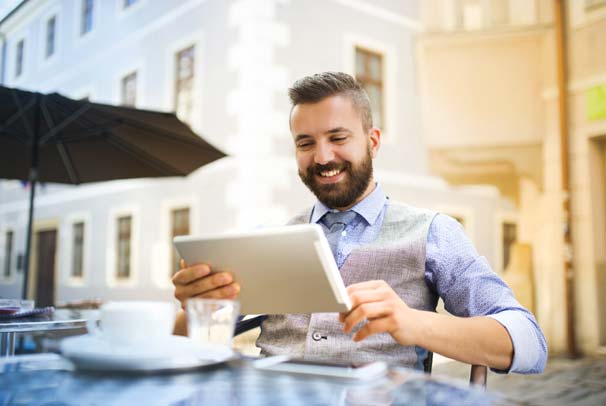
{"points": [[374, 136]]}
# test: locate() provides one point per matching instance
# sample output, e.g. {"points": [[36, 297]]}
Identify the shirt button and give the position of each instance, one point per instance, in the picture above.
{"points": [[316, 336]]}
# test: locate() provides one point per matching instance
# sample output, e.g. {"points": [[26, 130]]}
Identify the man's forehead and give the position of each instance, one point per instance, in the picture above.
{"points": [[324, 116]]}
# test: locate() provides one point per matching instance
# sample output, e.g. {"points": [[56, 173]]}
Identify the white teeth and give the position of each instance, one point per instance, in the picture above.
{"points": [[328, 174]]}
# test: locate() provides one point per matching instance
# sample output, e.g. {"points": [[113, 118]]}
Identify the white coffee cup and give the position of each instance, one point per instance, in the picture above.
{"points": [[131, 322]]}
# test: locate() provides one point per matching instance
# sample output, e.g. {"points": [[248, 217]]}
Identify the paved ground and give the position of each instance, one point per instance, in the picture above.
{"points": [[564, 382], [580, 382]]}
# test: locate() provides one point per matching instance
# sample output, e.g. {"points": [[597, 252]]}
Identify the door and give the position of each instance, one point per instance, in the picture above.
{"points": [[598, 196], [45, 267]]}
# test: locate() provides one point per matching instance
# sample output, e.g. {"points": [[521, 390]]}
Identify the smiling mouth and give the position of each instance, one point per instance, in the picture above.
{"points": [[330, 174]]}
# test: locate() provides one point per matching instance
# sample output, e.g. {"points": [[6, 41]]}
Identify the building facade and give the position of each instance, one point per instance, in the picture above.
{"points": [[493, 117], [224, 67]]}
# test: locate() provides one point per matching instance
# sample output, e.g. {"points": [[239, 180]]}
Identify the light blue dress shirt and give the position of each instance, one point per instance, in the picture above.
{"points": [[455, 271]]}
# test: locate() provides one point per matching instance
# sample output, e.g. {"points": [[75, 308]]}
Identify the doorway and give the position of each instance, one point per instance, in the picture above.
{"points": [[598, 199], [42, 282]]}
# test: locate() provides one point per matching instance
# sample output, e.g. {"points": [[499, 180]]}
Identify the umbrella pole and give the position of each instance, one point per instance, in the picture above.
{"points": [[33, 178]]}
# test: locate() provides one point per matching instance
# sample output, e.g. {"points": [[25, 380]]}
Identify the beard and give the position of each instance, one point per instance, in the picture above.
{"points": [[345, 192]]}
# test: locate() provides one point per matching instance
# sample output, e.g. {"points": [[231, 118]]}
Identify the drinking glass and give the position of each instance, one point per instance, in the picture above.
{"points": [[211, 322]]}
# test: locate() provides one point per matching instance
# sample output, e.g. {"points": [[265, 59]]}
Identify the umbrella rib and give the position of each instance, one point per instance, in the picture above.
{"points": [[20, 114], [164, 168], [69, 165], [60, 126], [46, 114], [160, 132]]}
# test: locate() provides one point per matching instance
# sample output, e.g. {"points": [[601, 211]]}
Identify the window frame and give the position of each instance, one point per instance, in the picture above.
{"points": [[80, 247], [161, 268], [10, 262], [112, 247], [46, 37], [119, 240], [134, 73], [196, 39], [502, 217], [505, 252], [390, 77], [172, 234], [176, 83], [122, 12], [67, 253], [82, 18], [367, 79], [19, 66]]}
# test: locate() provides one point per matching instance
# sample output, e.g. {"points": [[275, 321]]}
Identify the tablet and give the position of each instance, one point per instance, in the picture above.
{"points": [[281, 270], [332, 369]]}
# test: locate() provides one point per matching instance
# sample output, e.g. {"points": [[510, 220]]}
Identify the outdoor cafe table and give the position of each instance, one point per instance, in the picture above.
{"points": [[62, 319], [49, 379]]}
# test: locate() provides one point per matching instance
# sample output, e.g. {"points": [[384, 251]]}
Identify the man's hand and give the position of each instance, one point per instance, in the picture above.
{"points": [[198, 281], [476, 340], [385, 312]]}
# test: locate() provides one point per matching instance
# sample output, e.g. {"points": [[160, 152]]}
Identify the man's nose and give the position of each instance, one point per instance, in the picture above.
{"points": [[324, 154]]}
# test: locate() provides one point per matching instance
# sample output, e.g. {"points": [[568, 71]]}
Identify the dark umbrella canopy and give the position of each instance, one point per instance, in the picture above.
{"points": [[51, 138], [81, 142]]}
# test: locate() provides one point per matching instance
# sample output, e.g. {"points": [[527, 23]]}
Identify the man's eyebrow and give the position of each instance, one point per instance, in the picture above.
{"points": [[338, 130], [300, 137]]}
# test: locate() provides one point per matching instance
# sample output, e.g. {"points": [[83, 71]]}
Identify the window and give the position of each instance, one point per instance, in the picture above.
{"points": [[184, 84], [129, 90], [124, 247], [369, 72], [510, 231], [51, 28], [19, 58], [87, 16], [8, 253], [128, 3], [78, 250], [179, 226]]}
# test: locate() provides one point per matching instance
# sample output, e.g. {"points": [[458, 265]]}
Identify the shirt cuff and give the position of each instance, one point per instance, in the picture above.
{"points": [[529, 351]]}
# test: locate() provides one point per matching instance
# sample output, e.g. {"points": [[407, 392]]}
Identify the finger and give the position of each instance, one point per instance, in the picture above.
{"points": [[182, 263], [377, 326], [366, 296], [367, 311], [208, 283], [365, 286], [361, 297], [188, 275], [230, 291]]}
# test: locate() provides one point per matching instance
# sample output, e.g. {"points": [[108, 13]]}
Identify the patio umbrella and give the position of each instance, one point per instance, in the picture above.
{"points": [[52, 138]]}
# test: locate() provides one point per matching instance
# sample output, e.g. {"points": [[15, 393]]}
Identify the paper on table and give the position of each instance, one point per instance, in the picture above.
{"points": [[26, 313]]}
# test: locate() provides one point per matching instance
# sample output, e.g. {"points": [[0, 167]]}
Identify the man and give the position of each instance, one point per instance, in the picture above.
{"points": [[394, 259]]}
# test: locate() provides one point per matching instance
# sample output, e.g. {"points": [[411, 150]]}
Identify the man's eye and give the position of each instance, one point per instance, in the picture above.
{"points": [[339, 139], [304, 145]]}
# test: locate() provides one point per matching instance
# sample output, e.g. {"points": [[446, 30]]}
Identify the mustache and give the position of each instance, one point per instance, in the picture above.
{"points": [[318, 168]]}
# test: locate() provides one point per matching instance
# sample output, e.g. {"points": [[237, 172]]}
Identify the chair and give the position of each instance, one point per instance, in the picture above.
{"points": [[477, 375]]}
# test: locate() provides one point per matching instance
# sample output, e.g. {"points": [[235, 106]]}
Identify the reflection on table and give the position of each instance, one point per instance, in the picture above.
{"points": [[50, 379], [59, 320]]}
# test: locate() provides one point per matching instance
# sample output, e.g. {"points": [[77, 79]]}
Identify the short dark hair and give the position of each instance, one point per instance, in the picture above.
{"points": [[315, 88]]}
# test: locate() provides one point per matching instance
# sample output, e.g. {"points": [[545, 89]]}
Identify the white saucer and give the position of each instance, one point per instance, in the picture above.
{"points": [[167, 353]]}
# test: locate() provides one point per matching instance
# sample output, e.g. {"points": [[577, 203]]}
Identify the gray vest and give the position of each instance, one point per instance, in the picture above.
{"points": [[397, 256]]}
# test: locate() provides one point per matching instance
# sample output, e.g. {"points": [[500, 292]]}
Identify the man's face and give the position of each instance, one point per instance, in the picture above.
{"points": [[334, 153]]}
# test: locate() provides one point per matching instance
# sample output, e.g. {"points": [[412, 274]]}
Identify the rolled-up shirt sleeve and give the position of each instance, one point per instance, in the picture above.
{"points": [[469, 287]]}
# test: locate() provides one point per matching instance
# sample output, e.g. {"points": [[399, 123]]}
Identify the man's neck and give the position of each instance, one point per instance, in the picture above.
{"points": [[369, 190]]}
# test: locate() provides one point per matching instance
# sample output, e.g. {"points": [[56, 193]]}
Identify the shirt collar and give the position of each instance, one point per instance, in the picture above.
{"points": [[369, 208]]}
